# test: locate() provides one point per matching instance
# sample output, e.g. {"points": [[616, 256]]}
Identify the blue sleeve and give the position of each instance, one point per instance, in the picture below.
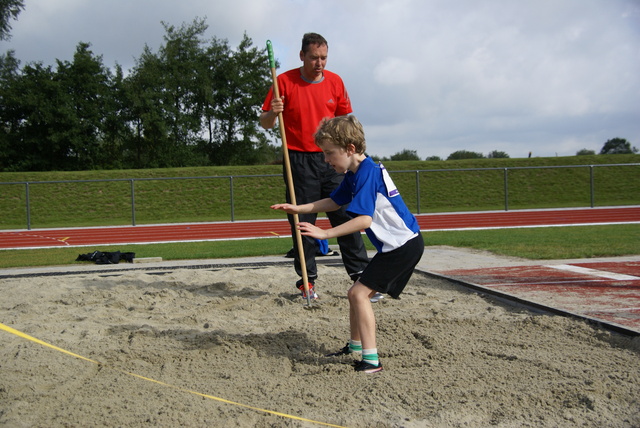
{"points": [[365, 193]]}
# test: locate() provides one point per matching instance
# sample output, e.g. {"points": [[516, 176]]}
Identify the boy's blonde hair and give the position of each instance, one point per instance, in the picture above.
{"points": [[342, 131]]}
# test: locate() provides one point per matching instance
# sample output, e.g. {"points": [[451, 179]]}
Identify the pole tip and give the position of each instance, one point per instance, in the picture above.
{"points": [[272, 61]]}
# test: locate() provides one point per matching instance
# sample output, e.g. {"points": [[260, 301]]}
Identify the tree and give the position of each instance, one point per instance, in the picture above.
{"points": [[465, 154], [164, 93], [180, 60], [433, 158], [82, 108], [585, 152], [214, 71], [56, 119], [194, 102], [30, 104], [9, 9], [498, 155], [146, 113], [116, 129], [239, 87], [405, 155], [9, 119], [617, 146]]}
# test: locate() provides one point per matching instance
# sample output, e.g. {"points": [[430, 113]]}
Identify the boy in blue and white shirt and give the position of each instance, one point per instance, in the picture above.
{"points": [[377, 208]]}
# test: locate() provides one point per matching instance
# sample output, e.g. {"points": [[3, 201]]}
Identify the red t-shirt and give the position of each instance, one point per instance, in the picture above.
{"points": [[306, 104]]}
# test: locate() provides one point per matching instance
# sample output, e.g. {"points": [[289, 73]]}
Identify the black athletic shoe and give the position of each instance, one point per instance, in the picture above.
{"points": [[363, 366], [343, 351]]}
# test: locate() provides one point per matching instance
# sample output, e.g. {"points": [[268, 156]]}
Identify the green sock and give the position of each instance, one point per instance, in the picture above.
{"points": [[355, 346], [371, 356]]}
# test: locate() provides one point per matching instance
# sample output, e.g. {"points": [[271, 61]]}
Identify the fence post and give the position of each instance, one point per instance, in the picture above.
{"points": [[231, 197], [26, 185], [418, 190], [591, 185], [506, 189], [133, 204]]}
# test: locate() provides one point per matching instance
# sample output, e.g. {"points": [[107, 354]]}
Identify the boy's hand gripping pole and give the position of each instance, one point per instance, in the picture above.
{"points": [[287, 164]]}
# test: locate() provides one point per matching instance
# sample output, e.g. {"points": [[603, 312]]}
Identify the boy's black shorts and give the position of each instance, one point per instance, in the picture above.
{"points": [[389, 272]]}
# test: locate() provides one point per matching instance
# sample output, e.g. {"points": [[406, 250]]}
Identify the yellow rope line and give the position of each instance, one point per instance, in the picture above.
{"points": [[222, 400]]}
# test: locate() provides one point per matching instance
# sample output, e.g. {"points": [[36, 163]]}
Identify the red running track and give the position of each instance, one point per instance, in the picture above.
{"points": [[117, 235]]}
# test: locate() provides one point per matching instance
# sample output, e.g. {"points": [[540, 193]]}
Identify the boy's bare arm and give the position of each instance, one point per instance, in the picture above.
{"points": [[323, 205], [354, 225]]}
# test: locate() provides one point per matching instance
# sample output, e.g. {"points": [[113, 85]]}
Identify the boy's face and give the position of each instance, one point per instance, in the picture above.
{"points": [[335, 156]]}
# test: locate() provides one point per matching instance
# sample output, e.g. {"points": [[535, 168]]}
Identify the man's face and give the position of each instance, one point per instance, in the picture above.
{"points": [[314, 61]]}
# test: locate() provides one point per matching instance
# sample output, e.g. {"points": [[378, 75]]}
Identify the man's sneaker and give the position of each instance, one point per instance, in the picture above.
{"points": [[344, 351], [312, 282], [363, 366], [376, 297], [312, 292]]}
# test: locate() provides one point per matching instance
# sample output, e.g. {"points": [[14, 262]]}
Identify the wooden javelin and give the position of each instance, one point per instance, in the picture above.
{"points": [[287, 165]]}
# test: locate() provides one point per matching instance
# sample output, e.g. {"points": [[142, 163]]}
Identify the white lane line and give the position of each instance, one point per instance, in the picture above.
{"points": [[594, 272], [550, 283], [612, 310]]}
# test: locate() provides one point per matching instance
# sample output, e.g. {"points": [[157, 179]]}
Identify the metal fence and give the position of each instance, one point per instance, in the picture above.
{"points": [[415, 200], [505, 177]]}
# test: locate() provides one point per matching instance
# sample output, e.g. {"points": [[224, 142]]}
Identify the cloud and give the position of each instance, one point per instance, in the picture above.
{"points": [[395, 71], [428, 75]]}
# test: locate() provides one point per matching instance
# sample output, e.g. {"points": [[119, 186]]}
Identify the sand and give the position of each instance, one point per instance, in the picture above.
{"points": [[225, 346]]}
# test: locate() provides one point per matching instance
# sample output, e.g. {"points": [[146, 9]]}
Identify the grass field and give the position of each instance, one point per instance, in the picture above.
{"points": [[210, 194], [533, 243], [205, 194]]}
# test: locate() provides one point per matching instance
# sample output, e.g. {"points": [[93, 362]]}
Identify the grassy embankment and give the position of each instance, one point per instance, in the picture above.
{"points": [[480, 186]]}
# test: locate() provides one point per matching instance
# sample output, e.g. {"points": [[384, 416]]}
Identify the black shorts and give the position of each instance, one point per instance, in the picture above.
{"points": [[390, 272]]}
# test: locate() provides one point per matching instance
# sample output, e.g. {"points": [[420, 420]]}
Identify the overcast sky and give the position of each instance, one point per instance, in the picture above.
{"points": [[549, 77]]}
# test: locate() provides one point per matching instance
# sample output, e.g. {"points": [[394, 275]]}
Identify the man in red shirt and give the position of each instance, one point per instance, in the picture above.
{"points": [[307, 95]]}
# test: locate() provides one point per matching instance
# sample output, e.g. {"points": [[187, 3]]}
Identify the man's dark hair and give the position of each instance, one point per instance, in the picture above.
{"points": [[312, 39]]}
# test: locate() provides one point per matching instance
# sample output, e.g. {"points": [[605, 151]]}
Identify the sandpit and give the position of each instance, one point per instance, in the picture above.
{"points": [[452, 358]]}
